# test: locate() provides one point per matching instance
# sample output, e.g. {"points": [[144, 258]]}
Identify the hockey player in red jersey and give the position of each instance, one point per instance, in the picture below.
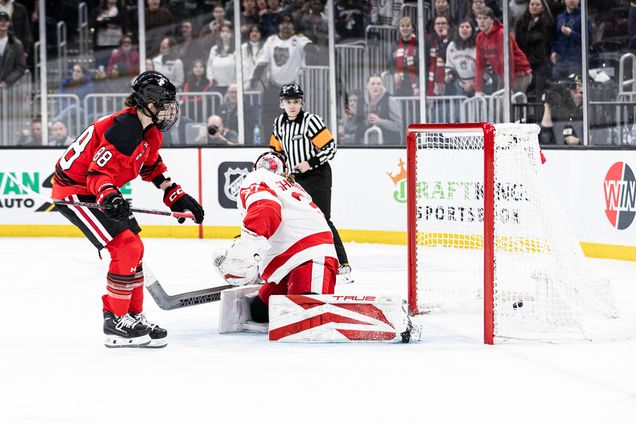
{"points": [[109, 153], [285, 238]]}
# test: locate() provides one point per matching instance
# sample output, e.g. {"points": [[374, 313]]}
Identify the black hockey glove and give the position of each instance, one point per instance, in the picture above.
{"points": [[179, 201], [115, 206]]}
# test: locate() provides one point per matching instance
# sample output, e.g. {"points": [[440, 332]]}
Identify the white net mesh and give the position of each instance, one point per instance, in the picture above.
{"points": [[540, 287]]}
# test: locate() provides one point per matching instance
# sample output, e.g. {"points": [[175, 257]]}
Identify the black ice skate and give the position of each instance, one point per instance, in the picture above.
{"points": [[124, 331], [158, 335]]}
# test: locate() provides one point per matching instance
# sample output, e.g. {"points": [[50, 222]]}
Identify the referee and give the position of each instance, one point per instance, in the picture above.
{"points": [[308, 145]]}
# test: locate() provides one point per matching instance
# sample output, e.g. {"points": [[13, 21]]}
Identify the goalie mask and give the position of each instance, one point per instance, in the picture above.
{"points": [[272, 161], [154, 87]]}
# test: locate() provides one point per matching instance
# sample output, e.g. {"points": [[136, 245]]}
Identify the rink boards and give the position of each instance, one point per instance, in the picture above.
{"points": [[596, 188]]}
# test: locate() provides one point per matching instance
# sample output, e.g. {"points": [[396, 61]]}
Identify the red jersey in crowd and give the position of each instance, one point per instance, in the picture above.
{"points": [[489, 50]]}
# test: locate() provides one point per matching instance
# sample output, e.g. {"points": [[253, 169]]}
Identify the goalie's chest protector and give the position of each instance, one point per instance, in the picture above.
{"points": [[302, 233]]}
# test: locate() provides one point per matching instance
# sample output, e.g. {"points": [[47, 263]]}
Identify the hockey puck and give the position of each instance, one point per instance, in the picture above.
{"points": [[517, 305]]}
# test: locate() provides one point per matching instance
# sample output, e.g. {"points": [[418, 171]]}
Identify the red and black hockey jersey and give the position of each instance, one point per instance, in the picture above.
{"points": [[112, 151]]}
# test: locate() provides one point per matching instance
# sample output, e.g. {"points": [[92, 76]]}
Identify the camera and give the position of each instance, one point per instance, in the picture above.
{"points": [[212, 130]]}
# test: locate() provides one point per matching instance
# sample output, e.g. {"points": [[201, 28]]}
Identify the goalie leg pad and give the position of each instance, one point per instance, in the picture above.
{"points": [[234, 311], [338, 318]]}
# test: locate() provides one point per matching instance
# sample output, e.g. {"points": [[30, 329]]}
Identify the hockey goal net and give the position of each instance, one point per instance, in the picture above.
{"points": [[486, 234]]}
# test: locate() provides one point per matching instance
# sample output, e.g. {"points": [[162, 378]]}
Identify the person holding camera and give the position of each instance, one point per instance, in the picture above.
{"points": [[562, 121], [216, 133]]}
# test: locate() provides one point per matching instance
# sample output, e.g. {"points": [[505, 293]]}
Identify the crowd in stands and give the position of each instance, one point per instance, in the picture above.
{"points": [[193, 43]]}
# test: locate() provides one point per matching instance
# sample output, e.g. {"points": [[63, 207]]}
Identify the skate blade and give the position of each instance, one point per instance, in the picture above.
{"points": [[115, 341], [345, 278], [156, 343]]}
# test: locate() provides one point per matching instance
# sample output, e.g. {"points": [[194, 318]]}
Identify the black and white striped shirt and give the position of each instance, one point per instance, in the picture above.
{"points": [[304, 139]]}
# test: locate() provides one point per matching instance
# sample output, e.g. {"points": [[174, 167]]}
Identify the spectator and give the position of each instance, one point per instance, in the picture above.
{"points": [[221, 68], [228, 111], [124, 62], [534, 35], [516, 9], [210, 33], [107, 21], [19, 24], [168, 64], [250, 52], [297, 9], [270, 20], [562, 121], [261, 8], [566, 47], [12, 58], [249, 18], [216, 133], [79, 84], [385, 12], [349, 19], [159, 25], [33, 135], [489, 46], [436, 46], [189, 48], [314, 26], [194, 107], [440, 8], [150, 66], [404, 62], [383, 112], [460, 61], [59, 134], [351, 126], [282, 55]]}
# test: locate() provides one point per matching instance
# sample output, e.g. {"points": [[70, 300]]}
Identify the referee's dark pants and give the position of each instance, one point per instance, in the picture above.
{"points": [[317, 182]]}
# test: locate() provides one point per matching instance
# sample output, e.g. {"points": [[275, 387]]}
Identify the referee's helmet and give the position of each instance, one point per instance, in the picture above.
{"points": [[272, 161], [291, 91]]}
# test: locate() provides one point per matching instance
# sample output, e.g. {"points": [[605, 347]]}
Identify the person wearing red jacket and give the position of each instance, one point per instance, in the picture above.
{"points": [[489, 51], [108, 154]]}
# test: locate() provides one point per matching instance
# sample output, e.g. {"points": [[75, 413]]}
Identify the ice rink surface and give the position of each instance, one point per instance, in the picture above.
{"points": [[54, 368]]}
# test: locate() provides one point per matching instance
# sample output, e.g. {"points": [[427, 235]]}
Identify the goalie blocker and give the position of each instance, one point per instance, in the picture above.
{"points": [[319, 318]]}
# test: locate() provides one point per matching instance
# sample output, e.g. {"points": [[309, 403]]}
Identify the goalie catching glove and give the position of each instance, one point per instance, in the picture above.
{"points": [[179, 201], [238, 265]]}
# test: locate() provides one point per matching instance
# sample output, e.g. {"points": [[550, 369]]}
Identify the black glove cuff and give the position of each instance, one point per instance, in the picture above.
{"points": [[158, 180]]}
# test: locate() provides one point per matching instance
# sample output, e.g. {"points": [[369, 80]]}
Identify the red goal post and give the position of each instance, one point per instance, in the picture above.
{"points": [[486, 130], [486, 234]]}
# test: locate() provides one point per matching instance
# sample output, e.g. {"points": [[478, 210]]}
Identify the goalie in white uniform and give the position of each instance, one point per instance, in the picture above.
{"points": [[285, 238]]}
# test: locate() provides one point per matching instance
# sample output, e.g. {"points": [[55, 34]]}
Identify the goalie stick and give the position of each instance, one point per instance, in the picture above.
{"points": [[185, 299], [97, 206]]}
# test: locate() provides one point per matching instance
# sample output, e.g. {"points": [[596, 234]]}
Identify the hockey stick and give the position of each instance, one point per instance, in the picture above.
{"points": [[97, 206], [185, 299], [132, 209]]}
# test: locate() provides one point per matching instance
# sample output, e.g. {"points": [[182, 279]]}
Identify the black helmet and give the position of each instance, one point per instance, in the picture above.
{"points": [[291, 91], [154, 87]]}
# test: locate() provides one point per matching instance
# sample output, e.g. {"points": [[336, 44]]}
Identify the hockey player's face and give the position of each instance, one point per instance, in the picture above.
{"points": [[292, 107]]}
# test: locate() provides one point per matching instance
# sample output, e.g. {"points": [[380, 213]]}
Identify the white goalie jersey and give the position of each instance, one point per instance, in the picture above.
{"points": [[283, 213]]}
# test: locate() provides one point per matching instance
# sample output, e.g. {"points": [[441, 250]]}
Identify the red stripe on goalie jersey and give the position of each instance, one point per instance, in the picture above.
{"points": [[112, 151], [263, 215], [307, 242]]}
